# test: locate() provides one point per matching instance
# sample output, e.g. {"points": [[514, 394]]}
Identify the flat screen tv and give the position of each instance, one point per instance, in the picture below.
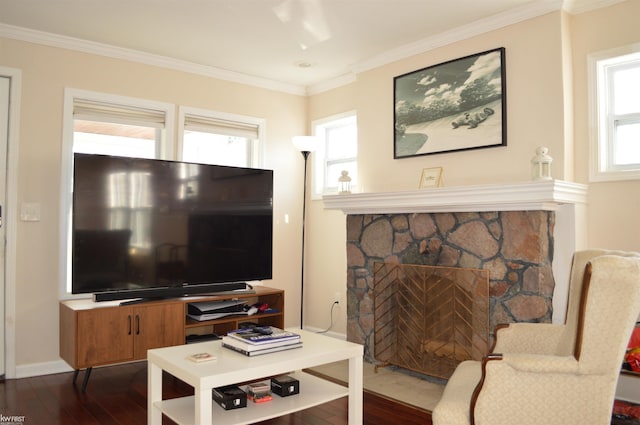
{"points": [[146, 228]]}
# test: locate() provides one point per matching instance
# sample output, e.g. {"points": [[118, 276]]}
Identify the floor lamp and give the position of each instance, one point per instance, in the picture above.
{"points": [[306, 145]]}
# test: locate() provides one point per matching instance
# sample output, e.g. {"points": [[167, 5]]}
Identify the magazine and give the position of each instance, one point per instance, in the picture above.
{"points": [[254, 347], [262, 351], [262, 335]]}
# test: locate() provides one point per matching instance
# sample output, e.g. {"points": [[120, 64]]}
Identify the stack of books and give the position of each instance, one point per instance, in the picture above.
{"points": [[261, 340]]}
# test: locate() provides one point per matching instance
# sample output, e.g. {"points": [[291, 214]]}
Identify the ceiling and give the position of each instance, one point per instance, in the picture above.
{"points": [[296, 43]]}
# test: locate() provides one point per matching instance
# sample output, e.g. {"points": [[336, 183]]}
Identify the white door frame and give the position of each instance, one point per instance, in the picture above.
{"points": [[9, 221]]}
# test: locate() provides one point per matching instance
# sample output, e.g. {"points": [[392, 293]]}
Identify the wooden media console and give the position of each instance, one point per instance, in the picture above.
{"points": [[96, 334]]}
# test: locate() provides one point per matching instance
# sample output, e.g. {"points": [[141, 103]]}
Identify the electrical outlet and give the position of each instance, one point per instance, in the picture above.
{"points": [[336, 298], [30, 211]]}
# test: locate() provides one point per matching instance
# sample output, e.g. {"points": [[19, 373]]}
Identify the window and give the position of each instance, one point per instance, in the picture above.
{"points": [[221, 139], [112, 125], [111, 129], [615, 81], [338, 151], [115, 125]]}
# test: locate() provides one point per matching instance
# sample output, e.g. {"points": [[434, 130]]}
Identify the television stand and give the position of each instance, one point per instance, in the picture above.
{"points": [[103, 333], [85, 381], [138, 301]]}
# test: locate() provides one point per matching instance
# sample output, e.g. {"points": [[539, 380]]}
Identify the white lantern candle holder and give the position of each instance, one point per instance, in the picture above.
{"points": [[344, 183], [541, 164]]}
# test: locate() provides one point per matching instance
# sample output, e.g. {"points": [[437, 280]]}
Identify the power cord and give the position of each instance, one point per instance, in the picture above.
{"points": [[330, 318]]}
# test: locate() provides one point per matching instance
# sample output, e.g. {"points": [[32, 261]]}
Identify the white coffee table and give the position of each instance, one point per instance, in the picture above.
{"points": [[232, 368]]}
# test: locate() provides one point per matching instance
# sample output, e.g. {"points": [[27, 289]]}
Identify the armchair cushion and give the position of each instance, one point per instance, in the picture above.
{"points": [[535, 390]]}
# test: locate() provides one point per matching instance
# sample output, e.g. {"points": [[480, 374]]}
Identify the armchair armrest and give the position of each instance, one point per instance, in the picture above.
{"points": [[537, 363], [535, 338]]}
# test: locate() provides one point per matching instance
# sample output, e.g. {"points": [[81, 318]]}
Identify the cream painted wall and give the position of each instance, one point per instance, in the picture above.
{"points": [[534, 112], [46, 73], [547, 104], [544, 56], [614, 207], [535, 117], [326, 262]]}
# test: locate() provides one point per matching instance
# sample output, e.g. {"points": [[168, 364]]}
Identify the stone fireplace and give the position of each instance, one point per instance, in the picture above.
{"points": [[523, 234]]}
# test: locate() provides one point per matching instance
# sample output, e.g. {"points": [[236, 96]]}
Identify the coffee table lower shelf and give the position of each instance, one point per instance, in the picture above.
{"points": [[313, 391]]}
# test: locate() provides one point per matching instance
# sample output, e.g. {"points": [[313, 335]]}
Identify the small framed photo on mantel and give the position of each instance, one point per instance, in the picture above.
{"points": [[430, 177]]}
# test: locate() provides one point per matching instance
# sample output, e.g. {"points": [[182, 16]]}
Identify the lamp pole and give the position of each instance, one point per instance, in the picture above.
{"points": [[305, 155], [306, 145]]}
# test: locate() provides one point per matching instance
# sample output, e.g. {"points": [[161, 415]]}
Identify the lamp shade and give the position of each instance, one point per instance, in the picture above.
{"points": [[305, 143]]}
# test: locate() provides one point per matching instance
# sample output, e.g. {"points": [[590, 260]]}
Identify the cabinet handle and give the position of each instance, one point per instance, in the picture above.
{"points": [[137, 324], [130, 325]]}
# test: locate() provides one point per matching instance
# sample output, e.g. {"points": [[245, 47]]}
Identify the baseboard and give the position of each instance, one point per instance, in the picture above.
{"points": [[39, 369]]}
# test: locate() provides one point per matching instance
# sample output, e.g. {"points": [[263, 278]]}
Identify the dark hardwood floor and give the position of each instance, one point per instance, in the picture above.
{"points": [[117, 395]]}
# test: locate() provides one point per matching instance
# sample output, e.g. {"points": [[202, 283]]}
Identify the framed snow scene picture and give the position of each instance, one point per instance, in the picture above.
{"points": [[453, 106]]}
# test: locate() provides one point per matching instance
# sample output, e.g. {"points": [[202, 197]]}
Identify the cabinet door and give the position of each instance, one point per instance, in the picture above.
{"points": [[156, 326], [105, 335]]}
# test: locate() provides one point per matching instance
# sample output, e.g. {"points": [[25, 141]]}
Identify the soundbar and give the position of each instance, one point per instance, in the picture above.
{"points": [[169, 292]]}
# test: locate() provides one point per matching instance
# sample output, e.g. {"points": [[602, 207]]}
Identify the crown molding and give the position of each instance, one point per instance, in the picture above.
{"points": [[331, 84], [519, 14], [76, 44], [523, 13]]}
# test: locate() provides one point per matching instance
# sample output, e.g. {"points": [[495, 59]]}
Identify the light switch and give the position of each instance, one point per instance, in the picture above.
{"points": [[30, 211]]}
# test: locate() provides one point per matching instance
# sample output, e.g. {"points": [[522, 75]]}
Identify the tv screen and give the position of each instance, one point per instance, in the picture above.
{"points": [[143, 225]]}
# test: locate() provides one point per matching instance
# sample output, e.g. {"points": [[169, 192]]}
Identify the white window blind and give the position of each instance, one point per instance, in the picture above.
{"points": [[92, 110], [220, 126]]}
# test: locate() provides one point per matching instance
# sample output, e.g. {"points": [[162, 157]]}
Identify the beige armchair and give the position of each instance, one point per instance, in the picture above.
{"points": [[555, 374]]}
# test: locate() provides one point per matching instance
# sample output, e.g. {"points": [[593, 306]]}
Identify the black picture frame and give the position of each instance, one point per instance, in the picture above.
{"points": [[453, 106]]}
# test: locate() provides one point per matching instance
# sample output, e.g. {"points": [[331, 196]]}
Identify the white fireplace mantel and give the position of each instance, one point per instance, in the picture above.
{"points": [[567, 199], [547, 195]]}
